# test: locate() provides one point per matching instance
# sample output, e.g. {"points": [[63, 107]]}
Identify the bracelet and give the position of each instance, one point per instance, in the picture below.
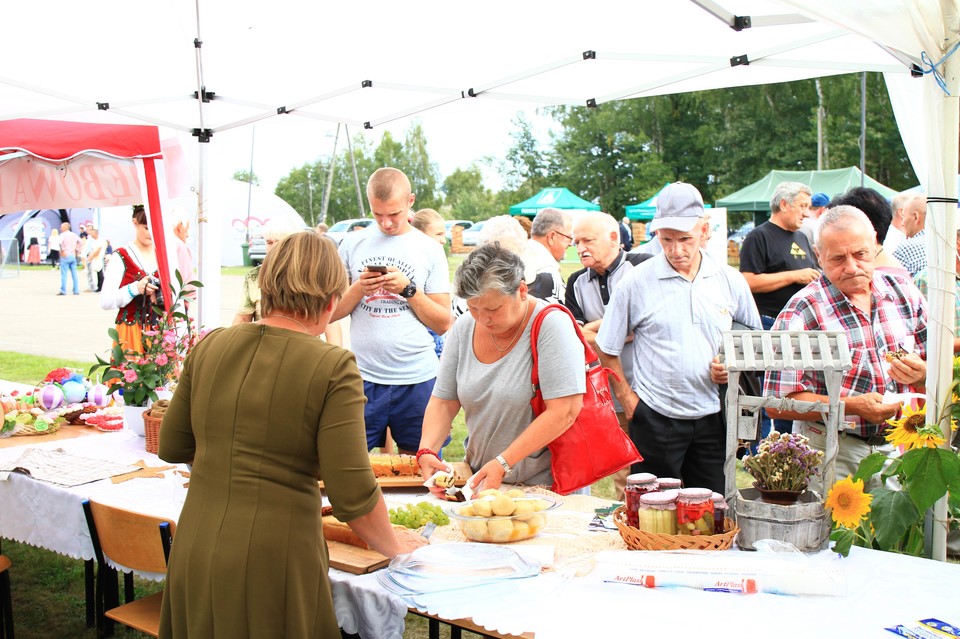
{"points": [[503, 462], [426, 451], [130, 291]]}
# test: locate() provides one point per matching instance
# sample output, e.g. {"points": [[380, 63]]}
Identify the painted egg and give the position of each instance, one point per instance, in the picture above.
{"points": [[99, 394], [50, 397], [74, 391]]}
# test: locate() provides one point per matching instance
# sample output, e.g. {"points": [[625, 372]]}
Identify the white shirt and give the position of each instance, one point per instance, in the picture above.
{"points": [[536, 260], [893, 239]]}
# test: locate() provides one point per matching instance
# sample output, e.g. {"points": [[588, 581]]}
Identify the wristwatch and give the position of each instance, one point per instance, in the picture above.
{"points": [[409, 291], [503, 462]]}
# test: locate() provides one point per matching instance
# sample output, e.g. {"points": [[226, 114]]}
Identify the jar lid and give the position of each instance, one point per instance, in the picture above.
{"points": [[657, 499], [667, 483], [695, 495], [641, 478], [673, 493], [719, 499]]}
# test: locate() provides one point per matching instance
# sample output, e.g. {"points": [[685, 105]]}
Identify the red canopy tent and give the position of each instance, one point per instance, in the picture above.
{"points": [[55, 164]]}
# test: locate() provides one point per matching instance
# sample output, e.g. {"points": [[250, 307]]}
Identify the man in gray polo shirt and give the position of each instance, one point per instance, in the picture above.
{"points": [[597, 239], [676, 307]]}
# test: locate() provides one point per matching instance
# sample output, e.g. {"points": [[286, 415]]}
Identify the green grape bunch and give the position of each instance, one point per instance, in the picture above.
{"points": [[418, 515]]}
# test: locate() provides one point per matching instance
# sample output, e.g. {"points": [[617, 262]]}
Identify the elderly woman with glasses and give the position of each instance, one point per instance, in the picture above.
{"points": [[486, 369]]}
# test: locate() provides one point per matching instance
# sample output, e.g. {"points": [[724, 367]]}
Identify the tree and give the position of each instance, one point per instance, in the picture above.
{"points": [[424, 174], [245, 175], [466, 198], [527, 165]]}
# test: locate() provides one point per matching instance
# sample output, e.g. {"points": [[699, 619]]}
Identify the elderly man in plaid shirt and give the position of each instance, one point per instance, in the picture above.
{"points": [[885, 320]]}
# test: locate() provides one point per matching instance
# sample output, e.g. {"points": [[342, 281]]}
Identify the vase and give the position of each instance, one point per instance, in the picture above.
{"points": [[133, 419], [780, 497]]}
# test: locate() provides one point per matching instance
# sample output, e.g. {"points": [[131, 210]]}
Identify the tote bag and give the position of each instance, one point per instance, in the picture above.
{"points": [[594, 446]]}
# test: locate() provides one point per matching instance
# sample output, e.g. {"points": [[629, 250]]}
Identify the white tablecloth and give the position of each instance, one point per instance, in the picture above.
{"points": [[883, 589]]}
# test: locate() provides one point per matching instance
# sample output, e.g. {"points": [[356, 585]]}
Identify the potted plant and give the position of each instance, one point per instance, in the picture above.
{"points": [[140, 375], [782, 467]]}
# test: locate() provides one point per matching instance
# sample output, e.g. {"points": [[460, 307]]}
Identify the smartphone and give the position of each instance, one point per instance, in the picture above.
{"points": [[377, 268]]}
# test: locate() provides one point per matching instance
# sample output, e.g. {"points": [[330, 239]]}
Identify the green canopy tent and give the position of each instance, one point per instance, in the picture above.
{"points": [[756, 197], [553, 198]]}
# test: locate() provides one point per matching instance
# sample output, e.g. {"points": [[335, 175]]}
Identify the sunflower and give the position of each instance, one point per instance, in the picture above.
{"points": [[912, 430], [847, 502]]}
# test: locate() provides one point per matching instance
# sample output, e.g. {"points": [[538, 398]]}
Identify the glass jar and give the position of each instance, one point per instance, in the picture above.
{"points": [[637, 484], [668, 483], [719, 513], [695, 511], [657, 513]]}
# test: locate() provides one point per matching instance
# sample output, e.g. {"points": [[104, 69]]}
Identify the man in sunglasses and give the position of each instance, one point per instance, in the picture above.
{"points": [[550, 235]]}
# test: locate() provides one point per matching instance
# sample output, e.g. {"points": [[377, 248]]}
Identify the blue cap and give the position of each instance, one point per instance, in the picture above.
{"points": [[819, 199]]}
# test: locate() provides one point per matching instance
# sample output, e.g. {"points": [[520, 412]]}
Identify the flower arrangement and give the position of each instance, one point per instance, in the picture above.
{"points": [[891, 515], [783, 462], [140, 375]]}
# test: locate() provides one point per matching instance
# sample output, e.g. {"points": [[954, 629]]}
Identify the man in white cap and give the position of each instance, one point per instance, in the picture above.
{"points": [[676, 306]]}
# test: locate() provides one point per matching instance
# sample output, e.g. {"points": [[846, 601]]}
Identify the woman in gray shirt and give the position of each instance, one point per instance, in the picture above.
{"points": [[486, 369]]}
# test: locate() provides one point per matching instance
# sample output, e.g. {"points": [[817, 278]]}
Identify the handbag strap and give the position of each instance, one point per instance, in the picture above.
{"points": [[590, 357]]}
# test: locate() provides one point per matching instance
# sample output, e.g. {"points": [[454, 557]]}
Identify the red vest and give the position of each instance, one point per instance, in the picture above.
{"points": [[138, 311]]}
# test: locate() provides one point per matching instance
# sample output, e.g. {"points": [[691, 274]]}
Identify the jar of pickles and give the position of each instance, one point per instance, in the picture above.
{"points": [[695, 511], [637, 484], [719, 513], [657, 513], [668, 483]]}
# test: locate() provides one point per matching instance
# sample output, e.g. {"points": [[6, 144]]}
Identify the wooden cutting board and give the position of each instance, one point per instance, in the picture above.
{"points": [[461, 473], [358, 561]]}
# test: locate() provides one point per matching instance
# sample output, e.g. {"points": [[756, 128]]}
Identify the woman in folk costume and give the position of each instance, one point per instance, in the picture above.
{"points": [[130, 285]]}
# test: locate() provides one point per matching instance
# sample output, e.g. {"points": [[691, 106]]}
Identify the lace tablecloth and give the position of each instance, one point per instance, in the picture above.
{"points": [[883, 589]]}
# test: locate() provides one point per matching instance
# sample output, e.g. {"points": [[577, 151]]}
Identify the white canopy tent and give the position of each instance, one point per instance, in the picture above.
{"points": [[206, 67]]}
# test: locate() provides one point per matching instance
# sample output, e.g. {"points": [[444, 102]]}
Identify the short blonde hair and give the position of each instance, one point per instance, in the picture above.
{"points": [[423, 218], [300, 275], [387, 183]]}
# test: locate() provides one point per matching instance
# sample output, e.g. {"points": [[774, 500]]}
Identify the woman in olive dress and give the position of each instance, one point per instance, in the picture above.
{"points": [[263, 411]]}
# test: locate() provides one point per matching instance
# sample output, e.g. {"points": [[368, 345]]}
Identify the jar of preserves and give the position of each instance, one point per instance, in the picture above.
{"points": [[720, 509], [695, 511], [637, 484], [668, 483], [657, 513]]}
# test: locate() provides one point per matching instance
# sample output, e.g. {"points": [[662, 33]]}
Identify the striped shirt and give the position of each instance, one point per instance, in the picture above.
{"points": [[912, 253], [898, 320]]}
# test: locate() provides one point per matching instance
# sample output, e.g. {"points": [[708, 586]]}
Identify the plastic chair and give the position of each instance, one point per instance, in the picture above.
{"points": [[6, 602], [132, 541]]}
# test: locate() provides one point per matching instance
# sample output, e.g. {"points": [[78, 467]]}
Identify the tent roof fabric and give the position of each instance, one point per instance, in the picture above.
{"points": [[756, 197], [553, 198], [57, 141]]}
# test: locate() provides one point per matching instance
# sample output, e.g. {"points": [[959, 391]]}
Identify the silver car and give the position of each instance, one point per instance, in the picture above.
{"points": [[339, 230]]}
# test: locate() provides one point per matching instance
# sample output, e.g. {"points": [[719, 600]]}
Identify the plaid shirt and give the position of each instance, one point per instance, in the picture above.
{"points": [[898, 319], [912, 253]]}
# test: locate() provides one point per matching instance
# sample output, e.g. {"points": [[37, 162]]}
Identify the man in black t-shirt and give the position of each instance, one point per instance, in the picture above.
{"points": [[777, 260]]}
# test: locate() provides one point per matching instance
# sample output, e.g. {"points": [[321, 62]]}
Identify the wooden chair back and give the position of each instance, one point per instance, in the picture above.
{"points": [[132, 540]]}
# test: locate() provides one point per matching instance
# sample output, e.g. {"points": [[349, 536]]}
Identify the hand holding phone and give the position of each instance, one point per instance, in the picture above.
{"points": [[377, 268]]}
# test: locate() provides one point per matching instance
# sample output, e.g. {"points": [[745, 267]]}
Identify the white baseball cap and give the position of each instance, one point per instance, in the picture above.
{"points": [[679, 206]]}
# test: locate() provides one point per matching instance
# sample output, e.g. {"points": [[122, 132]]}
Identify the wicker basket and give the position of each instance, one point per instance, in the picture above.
{"points": [[643, 540], [151, 431]]}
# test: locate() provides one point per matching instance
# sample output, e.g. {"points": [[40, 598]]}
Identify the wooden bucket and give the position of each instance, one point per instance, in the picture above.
{"points": [[804, 524]]}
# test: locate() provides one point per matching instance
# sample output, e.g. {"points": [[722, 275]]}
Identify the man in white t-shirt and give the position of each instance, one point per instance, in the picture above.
{"points": [[550, 235], [95, 248], [400, 286]]}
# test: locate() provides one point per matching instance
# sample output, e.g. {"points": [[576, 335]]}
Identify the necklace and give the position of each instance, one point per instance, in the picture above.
{"points": [[295, 321], [515, 336]]}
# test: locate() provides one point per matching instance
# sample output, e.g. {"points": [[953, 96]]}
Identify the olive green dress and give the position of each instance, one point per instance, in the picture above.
{"points": [[262, 413]]}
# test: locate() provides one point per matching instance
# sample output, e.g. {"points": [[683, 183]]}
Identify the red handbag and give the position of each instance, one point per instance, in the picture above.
{"points": [[594, 446]]}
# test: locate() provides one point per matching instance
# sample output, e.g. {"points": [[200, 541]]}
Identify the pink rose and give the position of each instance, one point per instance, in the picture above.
{"points": [[161, 359], [129, 375]]}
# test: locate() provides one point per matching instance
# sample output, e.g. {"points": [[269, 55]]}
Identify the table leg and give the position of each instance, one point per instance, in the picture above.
{"points": [[89, 588]]}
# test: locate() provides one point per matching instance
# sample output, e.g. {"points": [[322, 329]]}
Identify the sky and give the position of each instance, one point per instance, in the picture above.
{"points": [[454, 140]]}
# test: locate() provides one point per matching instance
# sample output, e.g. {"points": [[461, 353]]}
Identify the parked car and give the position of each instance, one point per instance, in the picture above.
{"points": [[472, 235], [449, 224], [258, 249], [741, 233], [339, 230]]}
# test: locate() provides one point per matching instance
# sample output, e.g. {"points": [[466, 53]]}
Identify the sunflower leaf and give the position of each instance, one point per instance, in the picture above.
{"points": [[927, 471], [870, 466], [892, 513], [843, 538]]}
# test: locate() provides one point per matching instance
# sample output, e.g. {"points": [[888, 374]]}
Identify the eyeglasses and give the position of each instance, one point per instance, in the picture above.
{"points": [[569, 237]]}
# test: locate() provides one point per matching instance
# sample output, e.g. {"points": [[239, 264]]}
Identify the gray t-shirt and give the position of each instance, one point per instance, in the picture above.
{"points": [[496, 397], [391, 344]]}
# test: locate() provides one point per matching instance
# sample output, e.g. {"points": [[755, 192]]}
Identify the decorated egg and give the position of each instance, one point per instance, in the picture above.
{"points": [[74, 391], [50, 397], [99, 394]]}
